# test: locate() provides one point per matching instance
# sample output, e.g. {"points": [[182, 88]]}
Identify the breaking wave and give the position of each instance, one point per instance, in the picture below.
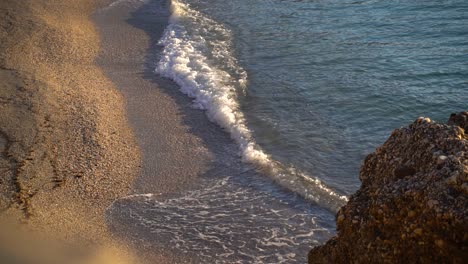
{"points": [[197, 55]]}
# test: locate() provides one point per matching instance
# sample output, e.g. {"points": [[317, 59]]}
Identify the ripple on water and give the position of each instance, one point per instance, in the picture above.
{"points": [[235, 223]]}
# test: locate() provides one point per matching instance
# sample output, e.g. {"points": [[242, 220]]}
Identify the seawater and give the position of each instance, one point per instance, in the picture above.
{"points": [[306, 89], [329, 80]]}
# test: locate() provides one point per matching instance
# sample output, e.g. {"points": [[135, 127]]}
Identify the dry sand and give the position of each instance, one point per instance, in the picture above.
{"points": [[65, 145]]}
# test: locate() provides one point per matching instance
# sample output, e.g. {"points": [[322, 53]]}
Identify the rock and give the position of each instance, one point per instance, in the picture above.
{"points": [[340, 218], [439, 242], [403, 171], [3, 143], [460, 119], [418, 231], [441, 159], [413, 202]]}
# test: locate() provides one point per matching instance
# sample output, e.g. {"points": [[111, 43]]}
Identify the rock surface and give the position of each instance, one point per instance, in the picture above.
{"points": [[412, 205]]}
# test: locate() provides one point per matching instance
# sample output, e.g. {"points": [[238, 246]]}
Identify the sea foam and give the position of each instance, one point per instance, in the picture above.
{"points": [[222, 219], [198, 56]]}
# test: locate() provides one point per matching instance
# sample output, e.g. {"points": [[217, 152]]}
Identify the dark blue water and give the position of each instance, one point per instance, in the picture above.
{"points": [[329, 80]]}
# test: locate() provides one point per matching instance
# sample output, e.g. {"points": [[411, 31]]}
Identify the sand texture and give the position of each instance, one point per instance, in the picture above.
{"points": [[179, 145], [66, 149]]}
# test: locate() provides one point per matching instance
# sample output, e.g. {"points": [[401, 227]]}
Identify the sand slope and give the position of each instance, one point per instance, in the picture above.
{"points": [[66, 149]]}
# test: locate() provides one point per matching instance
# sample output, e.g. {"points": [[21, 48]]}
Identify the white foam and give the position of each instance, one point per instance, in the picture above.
{"points": [[222, 219], [118, 3], [197, 56]]}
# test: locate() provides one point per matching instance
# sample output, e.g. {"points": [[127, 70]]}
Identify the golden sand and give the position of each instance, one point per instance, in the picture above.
{"points": [[66, 150]]}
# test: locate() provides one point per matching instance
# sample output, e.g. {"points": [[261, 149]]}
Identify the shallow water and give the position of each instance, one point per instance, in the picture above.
{"points": [[306, 89], [227, 221]]}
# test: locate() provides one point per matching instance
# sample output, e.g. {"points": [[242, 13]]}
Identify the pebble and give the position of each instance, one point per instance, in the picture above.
{"points": [[441, 159], [432, 203], [340, 218], [418, 231], [3, 143], [453, 179]]}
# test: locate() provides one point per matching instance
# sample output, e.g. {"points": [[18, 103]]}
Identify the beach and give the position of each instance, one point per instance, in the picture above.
{"points": [[85, 121], [178, 143], [67, 149], [193, 131]]}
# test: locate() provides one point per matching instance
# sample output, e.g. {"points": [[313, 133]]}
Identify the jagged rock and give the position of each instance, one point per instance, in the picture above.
{"points": [[460, 119], [412, 206]]}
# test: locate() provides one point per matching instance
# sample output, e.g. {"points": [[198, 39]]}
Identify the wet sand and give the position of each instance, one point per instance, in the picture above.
{"points": [[85, 120], [172, 156], [179, 145]]}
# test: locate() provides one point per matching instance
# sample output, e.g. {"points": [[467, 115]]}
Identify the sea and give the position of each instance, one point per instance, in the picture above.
{"points": [[306, 89]]}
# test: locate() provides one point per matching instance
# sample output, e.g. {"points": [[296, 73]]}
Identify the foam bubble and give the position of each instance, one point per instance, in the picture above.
{"points": [[225, 222]]}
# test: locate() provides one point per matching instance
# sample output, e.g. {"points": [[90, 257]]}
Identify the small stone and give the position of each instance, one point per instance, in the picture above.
{"points": [[423, 120], [452, 179], [464, 188], [432, 203], [3, 143], [460, 120], [340, 219], [418, 231], [403, 171], [441, 159]]}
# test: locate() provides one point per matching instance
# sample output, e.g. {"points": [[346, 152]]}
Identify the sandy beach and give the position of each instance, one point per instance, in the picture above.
{"points": [[103, 160], [178, 144], [65, 131], [85, 120], [67, 150]]}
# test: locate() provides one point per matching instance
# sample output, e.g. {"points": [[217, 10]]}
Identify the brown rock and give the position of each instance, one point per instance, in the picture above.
{"points": [[408, 217], [403, 171], [460, 119]]}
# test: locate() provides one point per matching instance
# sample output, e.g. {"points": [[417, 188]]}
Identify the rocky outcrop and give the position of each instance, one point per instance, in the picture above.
{"points": [[460, 120], [412, 206]]}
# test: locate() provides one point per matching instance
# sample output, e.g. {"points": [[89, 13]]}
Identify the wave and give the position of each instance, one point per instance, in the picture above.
{"points": [[215, 221], [198, 56], [116, 3]]}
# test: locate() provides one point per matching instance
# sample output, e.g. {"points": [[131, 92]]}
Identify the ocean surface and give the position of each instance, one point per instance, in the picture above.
{"points": [[306, 89]]}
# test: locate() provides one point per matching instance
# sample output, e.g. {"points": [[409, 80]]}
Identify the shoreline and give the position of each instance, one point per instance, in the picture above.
{"points": [[182, 150], [168, 147], [89, 134], [74, 135]]}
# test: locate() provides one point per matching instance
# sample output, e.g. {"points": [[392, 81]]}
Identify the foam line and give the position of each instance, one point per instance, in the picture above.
{"points": [[197, 55]]}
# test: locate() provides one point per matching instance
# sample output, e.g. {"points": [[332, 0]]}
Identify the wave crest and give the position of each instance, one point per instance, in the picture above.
{"points": [[197, 55]]}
